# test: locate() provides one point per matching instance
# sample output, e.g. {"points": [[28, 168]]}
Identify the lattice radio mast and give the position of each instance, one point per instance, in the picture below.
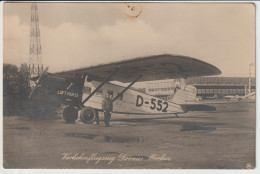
{"points": [[35, 54], [249, 80]]}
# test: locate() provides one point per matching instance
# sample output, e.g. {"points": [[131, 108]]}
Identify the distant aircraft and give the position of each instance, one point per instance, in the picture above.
{"points": [[251, 96], [211, 98], [83, 89]]}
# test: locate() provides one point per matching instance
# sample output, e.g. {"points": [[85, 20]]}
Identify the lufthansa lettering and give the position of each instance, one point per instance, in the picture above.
{"points": [[71, 94]]}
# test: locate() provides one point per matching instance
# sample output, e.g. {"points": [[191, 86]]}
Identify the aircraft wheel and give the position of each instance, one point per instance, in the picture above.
{"points": [[88, 115], [70, 114]]}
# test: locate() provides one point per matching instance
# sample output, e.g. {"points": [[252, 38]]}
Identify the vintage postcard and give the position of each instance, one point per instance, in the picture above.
{"points": [[129, 85]]}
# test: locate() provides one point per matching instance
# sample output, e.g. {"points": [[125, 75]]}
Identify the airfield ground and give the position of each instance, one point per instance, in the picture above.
{"points": [[205, 140]]}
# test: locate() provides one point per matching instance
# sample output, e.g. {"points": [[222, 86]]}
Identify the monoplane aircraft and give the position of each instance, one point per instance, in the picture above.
{"points": [[82, 90]]}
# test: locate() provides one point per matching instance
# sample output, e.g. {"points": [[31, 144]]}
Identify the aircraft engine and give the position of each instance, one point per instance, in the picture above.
{"points": [[88, 115]]}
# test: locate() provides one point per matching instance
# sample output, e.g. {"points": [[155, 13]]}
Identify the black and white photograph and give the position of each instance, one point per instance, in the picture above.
{"points": [[129, 85]]}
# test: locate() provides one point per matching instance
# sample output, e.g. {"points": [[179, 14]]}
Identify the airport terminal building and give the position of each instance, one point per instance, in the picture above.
{"points": [[206, 86]]}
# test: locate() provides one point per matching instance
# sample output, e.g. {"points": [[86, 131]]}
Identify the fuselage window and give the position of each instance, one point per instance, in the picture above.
{"points": [[99, 92], [120, 97], [87, 90]]}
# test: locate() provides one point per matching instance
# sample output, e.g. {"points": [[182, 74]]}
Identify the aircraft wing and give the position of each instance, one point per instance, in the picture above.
{"points": [[156, 67]]}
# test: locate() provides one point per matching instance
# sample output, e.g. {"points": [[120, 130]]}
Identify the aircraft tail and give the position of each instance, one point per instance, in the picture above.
{"points": [[187, 97], [183, 96]]}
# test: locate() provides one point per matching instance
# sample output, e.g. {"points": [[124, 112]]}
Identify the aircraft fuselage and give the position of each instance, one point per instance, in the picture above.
{"points": [[130, 102]]}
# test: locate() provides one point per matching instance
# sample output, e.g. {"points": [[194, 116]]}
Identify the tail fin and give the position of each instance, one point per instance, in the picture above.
{"points": [[183, 96]]}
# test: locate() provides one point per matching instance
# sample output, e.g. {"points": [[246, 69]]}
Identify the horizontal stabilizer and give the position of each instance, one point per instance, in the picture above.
{"points": [[197, 107]]}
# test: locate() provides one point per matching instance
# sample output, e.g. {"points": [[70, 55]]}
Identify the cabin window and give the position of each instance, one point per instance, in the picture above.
{"points": [[87, 90], [99, 92], [120, 97]]}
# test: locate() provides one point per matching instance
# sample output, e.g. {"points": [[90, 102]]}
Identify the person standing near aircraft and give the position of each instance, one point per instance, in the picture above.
{"points": [[107, 107]]}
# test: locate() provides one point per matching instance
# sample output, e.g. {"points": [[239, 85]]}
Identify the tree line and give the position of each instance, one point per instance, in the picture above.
{"points": [[16, 88]]}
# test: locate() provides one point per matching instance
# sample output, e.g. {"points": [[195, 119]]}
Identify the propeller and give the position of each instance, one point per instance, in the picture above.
{"points": [[38, 83]]}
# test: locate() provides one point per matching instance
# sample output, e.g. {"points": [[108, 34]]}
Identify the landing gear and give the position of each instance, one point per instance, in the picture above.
{"points": [[88, 115], [70, 114]]}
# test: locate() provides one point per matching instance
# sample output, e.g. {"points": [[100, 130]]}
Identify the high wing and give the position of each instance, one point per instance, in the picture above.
{"points": [[156, 67]]}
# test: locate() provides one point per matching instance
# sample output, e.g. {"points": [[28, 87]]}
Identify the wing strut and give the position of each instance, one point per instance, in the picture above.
{"points": [[131, 84], [105, 81]]}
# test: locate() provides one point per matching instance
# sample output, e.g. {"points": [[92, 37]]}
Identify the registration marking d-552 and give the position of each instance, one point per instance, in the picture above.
{"points": [[157, 104]]}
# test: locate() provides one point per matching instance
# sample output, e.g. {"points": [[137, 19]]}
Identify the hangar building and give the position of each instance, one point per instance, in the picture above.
{"points": [[206, 86]]}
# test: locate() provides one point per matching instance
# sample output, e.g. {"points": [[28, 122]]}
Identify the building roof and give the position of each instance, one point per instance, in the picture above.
{"points": [[220, 81]]}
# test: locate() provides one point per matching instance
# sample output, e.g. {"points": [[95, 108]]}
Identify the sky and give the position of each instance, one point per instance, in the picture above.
{"points": [[77, 35]]}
